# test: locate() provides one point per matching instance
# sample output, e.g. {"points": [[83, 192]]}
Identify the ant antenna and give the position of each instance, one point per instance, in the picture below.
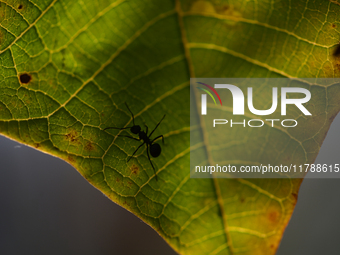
{"points": [[157, 125], [133, 117], [133, 120]]}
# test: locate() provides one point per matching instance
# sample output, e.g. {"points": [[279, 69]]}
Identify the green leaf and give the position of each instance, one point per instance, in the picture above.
{"points": [[67, 67]]}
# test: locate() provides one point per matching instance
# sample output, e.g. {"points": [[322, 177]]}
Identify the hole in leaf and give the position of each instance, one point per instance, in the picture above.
{"points": [[25, 78]]}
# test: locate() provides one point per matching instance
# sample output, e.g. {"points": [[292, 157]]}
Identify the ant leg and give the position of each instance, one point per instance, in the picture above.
{"points": [[157, 138], [147, 150], [129, 137], [147, 129], [157, 125], [135, 152]]}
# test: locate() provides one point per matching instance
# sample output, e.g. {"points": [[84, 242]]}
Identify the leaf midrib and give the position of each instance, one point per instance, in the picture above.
{"points": [[192, 75]]}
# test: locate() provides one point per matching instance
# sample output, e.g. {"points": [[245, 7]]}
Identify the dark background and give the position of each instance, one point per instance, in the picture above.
{"points": [[46, 207]]}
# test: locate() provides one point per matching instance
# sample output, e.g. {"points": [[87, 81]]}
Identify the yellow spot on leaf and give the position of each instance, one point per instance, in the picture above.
{"points": [[203, 7]]}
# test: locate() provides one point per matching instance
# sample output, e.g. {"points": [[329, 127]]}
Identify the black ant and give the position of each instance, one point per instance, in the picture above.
{"points": [[155, 148]]}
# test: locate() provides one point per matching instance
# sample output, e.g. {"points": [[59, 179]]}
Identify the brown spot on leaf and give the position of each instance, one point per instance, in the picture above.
{"points": [[134, 169], [336, 52], [225, 7], [337, 66], [71, 159], [126, 204], [37, 145], [231, 12], [295, 196], [20, 7], [333, 25], [25, 78], [89, 146], [273, 216], [72, 136], [242, 200], [129, 184]]}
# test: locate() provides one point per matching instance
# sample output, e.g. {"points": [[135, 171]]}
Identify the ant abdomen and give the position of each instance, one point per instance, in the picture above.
{"points": [[155, 150]]}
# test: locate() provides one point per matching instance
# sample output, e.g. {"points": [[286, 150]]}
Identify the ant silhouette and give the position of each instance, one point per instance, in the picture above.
{"points": [[154, 148]]}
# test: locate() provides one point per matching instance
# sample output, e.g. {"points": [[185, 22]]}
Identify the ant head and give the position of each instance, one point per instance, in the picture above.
{"points": [[155, 150], [135, 129]]}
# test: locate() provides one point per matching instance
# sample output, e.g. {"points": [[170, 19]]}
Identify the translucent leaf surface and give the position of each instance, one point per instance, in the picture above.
{"points": [[67, 67]]}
